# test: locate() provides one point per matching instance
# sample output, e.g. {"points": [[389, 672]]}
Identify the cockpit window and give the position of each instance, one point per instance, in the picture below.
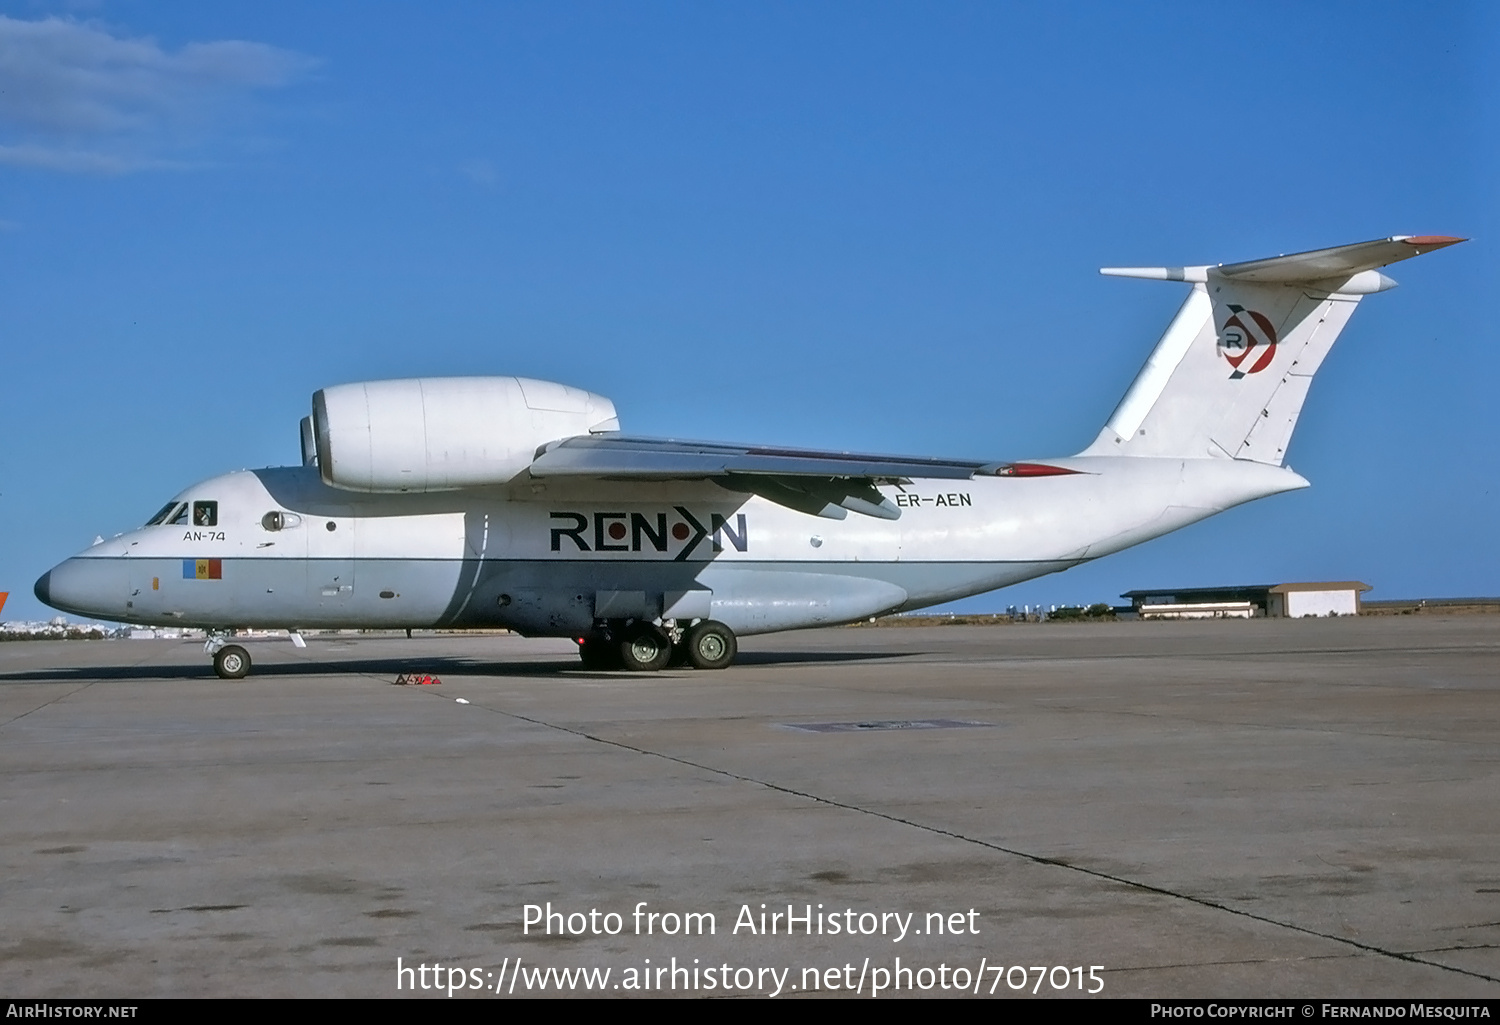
{"points": [[179, 515], [167, 512], [205, 514]]}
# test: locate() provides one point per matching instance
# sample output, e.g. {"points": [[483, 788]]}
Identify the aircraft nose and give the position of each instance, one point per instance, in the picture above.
{"points": [[86, 587]]}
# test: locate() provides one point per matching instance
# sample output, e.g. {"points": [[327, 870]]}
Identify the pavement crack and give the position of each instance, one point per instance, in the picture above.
{"points": [[44, 704], [65, 696]]}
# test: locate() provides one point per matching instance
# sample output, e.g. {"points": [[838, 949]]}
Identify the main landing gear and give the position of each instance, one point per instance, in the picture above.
{"points": [[711, 645], [646, 647]]}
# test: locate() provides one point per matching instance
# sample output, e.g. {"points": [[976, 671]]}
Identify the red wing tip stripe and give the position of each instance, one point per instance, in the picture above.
{"points": [[1033, 470], [1433, 240]]}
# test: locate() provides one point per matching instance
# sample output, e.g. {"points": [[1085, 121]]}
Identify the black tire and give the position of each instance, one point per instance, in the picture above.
{"points": [[598, 655], [645, 651], [232, 662], [711, 645]]}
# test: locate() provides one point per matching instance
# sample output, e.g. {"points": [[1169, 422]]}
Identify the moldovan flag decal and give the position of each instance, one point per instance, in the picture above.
{"points": [[202, 569]]}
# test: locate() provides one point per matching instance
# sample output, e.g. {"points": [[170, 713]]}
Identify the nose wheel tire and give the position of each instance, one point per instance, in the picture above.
{"points": [[645, 651], [232, 662], [711, 645]]}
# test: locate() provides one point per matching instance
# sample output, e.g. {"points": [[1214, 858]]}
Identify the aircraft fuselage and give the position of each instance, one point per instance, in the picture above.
{"points": [[284, 550]]}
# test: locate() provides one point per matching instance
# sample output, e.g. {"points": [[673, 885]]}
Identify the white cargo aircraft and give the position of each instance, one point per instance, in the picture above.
{"points": [[508, 502]]}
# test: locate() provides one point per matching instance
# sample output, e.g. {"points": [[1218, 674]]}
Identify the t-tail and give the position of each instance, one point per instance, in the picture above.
{"points": [[1229, 376]]}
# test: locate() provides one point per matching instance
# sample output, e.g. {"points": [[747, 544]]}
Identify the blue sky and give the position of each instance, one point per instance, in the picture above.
{"points": [[869, 226]]}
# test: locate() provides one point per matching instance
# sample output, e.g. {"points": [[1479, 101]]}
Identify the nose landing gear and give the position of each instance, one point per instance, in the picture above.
{"points": [[231, 662]]}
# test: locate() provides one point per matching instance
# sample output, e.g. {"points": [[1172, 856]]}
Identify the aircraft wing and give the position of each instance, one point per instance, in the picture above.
{"points": [[823, 483]]}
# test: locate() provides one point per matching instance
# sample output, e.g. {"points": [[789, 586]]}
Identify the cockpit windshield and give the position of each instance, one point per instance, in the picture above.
{"points": [[172, 512]]}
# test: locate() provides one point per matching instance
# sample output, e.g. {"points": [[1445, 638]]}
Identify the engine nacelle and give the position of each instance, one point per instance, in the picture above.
{"points": [[445, 433]]}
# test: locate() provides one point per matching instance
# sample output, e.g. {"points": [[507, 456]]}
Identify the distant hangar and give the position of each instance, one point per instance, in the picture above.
{"points": [[1281, 601]]}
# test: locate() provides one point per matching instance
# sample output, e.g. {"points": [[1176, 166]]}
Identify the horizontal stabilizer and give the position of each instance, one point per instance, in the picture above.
{"points": [[1338, 262], [1327, 266]]}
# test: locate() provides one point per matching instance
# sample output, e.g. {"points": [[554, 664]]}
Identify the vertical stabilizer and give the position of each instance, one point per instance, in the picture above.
{"points": [[1229, 376]]}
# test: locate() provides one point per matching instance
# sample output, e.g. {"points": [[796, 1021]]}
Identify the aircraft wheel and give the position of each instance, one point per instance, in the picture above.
{"points": [[711, 645], [597, 654], [232, 662], [646, 651]]}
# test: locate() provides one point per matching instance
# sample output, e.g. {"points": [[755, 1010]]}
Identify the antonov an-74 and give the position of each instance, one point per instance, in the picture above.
{"points": [[507, 502]]}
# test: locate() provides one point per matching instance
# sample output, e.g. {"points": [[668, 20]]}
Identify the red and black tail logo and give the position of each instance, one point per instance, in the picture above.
{"points": [[1247, 341]]}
